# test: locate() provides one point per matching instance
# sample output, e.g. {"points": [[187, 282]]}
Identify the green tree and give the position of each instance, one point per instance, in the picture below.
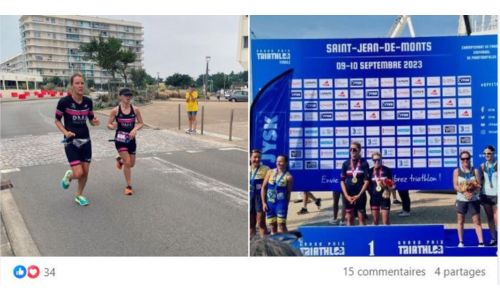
{"points": [[126, 58], [56, 81], [179, 80], [105, 53], [138, 77]]}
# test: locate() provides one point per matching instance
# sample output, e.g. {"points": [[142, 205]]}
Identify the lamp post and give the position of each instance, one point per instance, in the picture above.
{"points": [[205, 82]]}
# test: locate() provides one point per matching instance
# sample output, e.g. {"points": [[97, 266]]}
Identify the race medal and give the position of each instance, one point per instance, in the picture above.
{"points": [[378, 188], [355, 172], [489, 171], [252, 182], [271, 196]]}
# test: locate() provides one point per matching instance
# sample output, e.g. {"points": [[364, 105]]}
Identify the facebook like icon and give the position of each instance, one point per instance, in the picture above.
{"points": [[19, 272]]}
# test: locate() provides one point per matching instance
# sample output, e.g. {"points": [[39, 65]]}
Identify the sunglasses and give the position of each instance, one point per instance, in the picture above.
{"points": [[488, 153], [464, 158], [376, 160], [353, 150]]}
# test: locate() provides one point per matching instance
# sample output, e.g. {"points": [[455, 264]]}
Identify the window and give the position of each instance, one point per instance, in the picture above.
{"points": [[75, 37], [38, 57], [37, 34], [10, 85]]}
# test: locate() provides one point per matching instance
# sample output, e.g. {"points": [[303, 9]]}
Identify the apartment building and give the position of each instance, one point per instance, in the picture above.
{"points": [[50, 45]]}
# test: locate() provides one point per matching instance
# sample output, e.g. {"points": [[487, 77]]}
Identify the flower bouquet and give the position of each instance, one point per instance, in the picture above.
{"points": [[387, 186], [469, 188]]}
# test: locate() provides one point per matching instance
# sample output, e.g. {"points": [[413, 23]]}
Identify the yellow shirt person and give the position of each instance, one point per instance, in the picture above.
{"points": [[192, 109], [191, 100]]}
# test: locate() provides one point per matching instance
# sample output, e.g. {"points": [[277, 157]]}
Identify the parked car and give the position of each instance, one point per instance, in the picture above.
{"points": [[238, 96]]}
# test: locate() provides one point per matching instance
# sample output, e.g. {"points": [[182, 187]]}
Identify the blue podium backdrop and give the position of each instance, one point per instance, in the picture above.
{"points": [[418, 101]]}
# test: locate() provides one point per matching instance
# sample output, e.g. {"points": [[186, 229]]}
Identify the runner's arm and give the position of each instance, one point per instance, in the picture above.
{"points": [[263, 190], [94, 121], [111, 120], [59, 114], [478, 176], [140, 123]]}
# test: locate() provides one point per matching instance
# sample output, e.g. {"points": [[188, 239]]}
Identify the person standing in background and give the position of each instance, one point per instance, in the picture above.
{"points": [[489, 191], [192, 109]]}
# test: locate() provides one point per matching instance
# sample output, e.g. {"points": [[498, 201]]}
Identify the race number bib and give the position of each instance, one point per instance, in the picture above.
{"points": [[122, 137]]}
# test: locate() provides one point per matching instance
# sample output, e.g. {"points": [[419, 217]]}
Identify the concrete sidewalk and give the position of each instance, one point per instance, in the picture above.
{"points": [[165, 115], [5, 249]]}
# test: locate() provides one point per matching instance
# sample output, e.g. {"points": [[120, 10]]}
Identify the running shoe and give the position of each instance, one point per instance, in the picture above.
{"points": [[65, 181], [119, 163], [334, 221], [302, 211], [81, 200], [460, 245], [396, 201], [404, 214], [481, 245], [493, 243], [318, 202], [188, 131], [128, 191]]}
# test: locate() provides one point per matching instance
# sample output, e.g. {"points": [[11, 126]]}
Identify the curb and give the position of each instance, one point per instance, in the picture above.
{"points": [[26, 100], [20, 239]]}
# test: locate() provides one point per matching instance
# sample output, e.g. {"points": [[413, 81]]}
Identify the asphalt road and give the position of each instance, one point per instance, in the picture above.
{"points": [[190, 194]]}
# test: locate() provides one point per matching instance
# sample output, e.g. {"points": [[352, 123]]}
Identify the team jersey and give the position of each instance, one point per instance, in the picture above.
{"points": [[381, 174], [126, 122], [490, 175], [277, 186], [75, 115], [256, 179], [192, 101], [464, 177], [359, 169]]}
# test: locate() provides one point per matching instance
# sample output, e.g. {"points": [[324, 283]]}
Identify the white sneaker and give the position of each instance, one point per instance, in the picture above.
{"points": [[193, 131], [460, 245], [404, 214], [188, 131], [481, 245], [334, 221]]}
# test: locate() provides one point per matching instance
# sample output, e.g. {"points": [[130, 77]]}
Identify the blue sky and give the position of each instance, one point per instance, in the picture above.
{"points": [[268, 27]]}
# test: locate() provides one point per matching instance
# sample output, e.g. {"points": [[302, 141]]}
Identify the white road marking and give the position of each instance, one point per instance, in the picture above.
{"points": [[9, 170], [203, 183], [194, 151], [221, 136], [232, 149]]}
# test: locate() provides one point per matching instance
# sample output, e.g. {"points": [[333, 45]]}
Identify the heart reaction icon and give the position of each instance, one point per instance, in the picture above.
{"points": [[33, 272]]}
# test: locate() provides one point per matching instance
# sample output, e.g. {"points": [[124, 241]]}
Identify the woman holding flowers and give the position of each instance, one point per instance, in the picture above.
{"points": [[467, 183], [381, 185]]}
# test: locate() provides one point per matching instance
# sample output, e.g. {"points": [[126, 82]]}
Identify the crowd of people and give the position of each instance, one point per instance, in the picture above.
{"points": [[270, 191]]}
